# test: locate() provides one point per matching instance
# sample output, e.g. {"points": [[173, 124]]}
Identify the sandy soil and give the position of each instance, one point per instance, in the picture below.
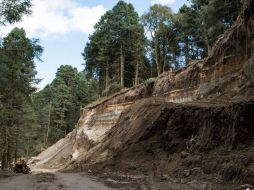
{"points": [[194, 146], [51, 181]]}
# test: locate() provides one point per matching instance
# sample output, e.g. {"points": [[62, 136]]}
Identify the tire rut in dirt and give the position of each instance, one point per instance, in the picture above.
{"points": [[43, 181]]}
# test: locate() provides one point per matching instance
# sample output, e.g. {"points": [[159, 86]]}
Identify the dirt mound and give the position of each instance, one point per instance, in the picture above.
{"points": [[196, 141]]}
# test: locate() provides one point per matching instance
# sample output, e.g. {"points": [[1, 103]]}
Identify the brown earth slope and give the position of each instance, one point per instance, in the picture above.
{"points": [[187, 129], [205, 141], [212, 144]]}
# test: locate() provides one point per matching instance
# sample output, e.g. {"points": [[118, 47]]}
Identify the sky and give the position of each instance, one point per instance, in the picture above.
{"points": [[63, 28]]}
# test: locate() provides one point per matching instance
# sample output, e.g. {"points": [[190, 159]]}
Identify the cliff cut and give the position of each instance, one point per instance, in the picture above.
{"points": [[188, 129]]}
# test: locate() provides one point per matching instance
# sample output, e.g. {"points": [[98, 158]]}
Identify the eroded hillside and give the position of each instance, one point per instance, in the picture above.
{"points": [[187, 129]]}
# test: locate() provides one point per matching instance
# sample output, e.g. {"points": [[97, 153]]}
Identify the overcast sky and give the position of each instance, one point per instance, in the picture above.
{"points": [[63, 27]]}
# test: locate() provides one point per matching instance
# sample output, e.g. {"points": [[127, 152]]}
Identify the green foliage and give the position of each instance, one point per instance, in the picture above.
{"points": [[12, 10], [160, 28], [189, 34], [213, 17], [118, 50], [17, 79], [118, 38], [18, 62], [68, 92], [176, 39], [93, 90]]}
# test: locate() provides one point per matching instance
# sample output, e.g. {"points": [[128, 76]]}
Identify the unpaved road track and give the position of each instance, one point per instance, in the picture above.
{"points": [[51, 181]]}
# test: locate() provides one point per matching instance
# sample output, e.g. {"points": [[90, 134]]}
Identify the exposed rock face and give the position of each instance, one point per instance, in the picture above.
{"points": [[219, 76], [203, 81], [142, 129], [171, 138], [96, 119], [90, 130]]}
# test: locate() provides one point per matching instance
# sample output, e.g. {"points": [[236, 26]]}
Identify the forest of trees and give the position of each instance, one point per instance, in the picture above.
{"points": [[30, 119], [124, 50], [17, 80], [58, 104]]}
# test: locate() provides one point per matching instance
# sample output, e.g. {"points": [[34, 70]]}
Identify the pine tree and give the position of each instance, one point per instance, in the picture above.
{"points": [[116, 49], [59, 103], [18, 73], [12, 11], [157, 22]]}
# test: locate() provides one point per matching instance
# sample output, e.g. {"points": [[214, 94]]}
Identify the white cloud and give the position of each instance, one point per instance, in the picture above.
{"points": [[58, 17], [163, 2], [84, 18]]}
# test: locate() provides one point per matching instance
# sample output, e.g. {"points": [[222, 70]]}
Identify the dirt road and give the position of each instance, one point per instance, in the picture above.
{"points": [[51, 181]]}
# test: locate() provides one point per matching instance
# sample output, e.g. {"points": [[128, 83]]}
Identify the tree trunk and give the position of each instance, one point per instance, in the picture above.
{"points": [[4, 156], [47, 133], [151, 70], [122, 68], [136, 73], [186, 52], [107, 78], [3, 160], [174, 61], [165, 58], [17, 142], [8, 155], [157, 57], [44, 134], [27, 147], [209, 48]]}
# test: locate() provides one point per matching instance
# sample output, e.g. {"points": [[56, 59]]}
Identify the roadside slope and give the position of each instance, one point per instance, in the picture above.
{"points": [[192, 124]]}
